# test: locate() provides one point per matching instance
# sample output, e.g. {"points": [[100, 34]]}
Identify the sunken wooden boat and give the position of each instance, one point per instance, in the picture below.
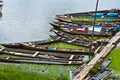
{"points": [[101, 16], [73, 38], [41, 57]]}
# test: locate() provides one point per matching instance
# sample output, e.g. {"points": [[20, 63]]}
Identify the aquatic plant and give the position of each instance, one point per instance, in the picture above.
{"points": [[34, 72]]}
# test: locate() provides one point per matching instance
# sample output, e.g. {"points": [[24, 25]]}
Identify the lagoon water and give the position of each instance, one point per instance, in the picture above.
{"points": [[28, 20]]}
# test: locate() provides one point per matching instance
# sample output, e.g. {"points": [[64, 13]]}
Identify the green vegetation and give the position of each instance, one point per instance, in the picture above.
{"points": [[34, 72], [95, 37], [92, 19], [1, 46], [115, 56], [64, 45], [94, 70]]}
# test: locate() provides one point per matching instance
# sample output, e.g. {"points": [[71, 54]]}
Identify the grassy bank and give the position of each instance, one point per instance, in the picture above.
{"points": [[34, 72], [115, 56]]}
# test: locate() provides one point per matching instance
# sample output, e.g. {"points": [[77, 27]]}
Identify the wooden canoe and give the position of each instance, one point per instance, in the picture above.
{"points": [[37, 61], [18, 45], [66, 40], [75, 39], [55, 49], [88, 13], [84, 29], [66, 24], [101, 16], [38, 57], [37, 54], [48, 49]]}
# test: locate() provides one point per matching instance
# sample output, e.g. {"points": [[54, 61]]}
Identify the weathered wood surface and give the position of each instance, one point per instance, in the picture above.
{"points": [[81, 75]]}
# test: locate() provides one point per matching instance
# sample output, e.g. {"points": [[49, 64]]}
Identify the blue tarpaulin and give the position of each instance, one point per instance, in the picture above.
{"points": [[97, 28], [98, 15], [112, 15], [117, 28]]}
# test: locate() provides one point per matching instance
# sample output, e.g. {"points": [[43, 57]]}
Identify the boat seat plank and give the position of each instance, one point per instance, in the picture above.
{"points": [[71, 57], [36, 53], [1, 49]]}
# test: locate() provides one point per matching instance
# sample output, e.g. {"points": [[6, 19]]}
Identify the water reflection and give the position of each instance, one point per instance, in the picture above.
{"points": [[0, 15], [0, 10]]}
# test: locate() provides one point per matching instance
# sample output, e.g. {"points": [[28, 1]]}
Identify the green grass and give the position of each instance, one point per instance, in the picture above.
{"points": [[34, 72], [95, 37], [115, 56], [1, 46], [64, 45], [92, 19]]}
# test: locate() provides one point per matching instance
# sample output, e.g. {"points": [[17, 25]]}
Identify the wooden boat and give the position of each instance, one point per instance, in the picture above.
{"points": [[41, 42], [66, 24], [74, 39], [37, 61], [48, 49], [18, 45], [56, 37], [11, 45], [38, 56], [59, 25], [87, 29], [54, 49], [98, 30], [73, 24], [90, 20], [106, 63], [101, 16], [66, 40], [102, 74], [89, 13], [96, 44]]}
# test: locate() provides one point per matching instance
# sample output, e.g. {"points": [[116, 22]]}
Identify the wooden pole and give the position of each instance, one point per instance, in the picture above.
{"points": [[92, 35]]}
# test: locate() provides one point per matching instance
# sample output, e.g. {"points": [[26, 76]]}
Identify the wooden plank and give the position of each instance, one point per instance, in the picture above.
{"points": [[71, 57], [36, 53], [1, 49], [71, 75]]}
